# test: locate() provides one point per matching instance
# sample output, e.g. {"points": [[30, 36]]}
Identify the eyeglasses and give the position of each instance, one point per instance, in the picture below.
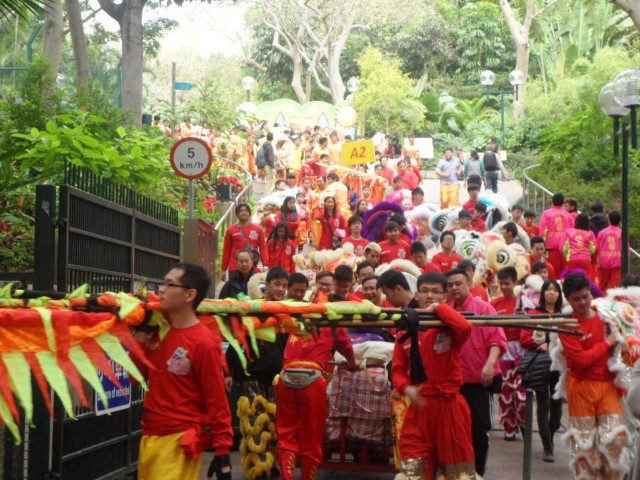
{"points": [[165, 284]]}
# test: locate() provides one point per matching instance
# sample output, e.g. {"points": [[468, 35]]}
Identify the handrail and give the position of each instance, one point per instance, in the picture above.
{"points": [[544, 193], [239, 196]]}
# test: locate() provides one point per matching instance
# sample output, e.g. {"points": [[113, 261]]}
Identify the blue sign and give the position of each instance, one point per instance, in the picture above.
{"points": [[183, 86], [119, 399]]}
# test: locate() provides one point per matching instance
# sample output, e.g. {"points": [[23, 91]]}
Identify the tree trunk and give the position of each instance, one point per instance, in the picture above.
{"points": [[132, 59], [296, 79], [52, 40], [80, 52], [522, 64], [335, 79], [632, 7]]}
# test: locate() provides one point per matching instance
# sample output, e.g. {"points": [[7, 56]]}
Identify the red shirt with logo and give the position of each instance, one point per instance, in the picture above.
{"points": [[440, 353], [234, 241], [358, 245], [430, 267], [392, 251], [446, 262], [469, 206], [281, 253], [186, 388]]}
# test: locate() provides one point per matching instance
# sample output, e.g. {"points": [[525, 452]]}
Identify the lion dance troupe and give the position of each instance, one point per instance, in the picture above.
{"points": [[332, 236]]}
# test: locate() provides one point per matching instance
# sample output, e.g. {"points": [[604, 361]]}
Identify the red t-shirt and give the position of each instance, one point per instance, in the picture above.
{"points": [[388, 174], [186, 388], [550, 270], [479, 225], [532, 232], [358, 245], [440, 353], [409, 179], [446, 262], [480, 292], [318, 348], [507, 306], [430, 267], [281, 253], [392, 251], [234, 241], [587, 356]]}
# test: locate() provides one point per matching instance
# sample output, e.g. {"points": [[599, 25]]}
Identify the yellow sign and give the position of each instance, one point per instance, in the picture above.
{"points": [[354, 153]]}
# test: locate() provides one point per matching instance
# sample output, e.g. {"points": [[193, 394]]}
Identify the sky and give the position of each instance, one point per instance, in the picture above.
{"points": [[206, 27]]}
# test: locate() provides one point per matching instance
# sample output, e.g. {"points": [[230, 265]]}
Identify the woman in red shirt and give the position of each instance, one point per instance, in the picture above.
{"points": [[549, 410], [289, 214], [333, 224], [281, 248]]}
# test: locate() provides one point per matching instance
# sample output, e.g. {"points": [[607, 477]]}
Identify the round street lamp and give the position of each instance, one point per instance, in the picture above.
{"points": [[609, 103], [487, 78], [353, 85], [248, 84], [625, 92], [516, 78]]}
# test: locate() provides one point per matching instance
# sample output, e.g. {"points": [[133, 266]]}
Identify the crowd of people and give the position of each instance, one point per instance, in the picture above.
{"points": [[449, 376]]}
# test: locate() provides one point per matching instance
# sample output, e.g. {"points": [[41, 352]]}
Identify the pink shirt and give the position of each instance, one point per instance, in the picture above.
{"points": [[609, 247], [475, 351], [578, 244], [553, 223]]}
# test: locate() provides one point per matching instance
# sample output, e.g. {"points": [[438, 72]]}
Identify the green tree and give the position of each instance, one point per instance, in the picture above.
{"points": [[386, 96], [482, 40]]}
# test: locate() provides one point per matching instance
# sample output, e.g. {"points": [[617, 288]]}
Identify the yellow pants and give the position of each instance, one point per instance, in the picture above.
{"points": [[162, 458], [449, 195]]}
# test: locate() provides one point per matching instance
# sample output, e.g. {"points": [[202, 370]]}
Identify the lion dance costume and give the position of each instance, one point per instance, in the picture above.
{"points": [[596, 376]]}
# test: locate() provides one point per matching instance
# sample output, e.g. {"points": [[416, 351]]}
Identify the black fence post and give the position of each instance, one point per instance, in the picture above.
{"points": [[38, 445], [45, 238]]}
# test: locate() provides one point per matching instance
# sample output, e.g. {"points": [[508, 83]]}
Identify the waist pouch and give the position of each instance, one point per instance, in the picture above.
{"points": [[299, 378]]}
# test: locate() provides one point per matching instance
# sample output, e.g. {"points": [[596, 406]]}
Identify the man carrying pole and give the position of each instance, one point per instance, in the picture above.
{"points": [[436, 433]]}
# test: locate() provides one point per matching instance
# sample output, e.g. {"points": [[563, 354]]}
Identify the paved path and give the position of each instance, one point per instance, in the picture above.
{"points": [[512, 189], [505, 461]]}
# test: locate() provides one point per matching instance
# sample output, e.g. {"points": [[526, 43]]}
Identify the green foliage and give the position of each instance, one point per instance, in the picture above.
{"points": [[131, 157], [16, 240], [482, 39], [385, 99]]}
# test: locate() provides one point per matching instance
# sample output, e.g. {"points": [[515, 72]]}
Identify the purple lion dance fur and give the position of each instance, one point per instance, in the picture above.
{"points": [[374, 221]]}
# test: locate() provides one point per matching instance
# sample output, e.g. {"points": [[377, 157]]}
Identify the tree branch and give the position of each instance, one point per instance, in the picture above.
{"points": [[85, 20], [114, 10], [541, 11]]}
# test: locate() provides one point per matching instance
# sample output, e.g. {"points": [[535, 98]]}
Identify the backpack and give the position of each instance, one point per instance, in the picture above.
{"points": [[473, 167], [490, 162], [261, 158]]}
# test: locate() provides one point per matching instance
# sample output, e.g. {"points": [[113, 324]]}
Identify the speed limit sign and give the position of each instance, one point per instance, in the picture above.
{"points": [[191, 158]]}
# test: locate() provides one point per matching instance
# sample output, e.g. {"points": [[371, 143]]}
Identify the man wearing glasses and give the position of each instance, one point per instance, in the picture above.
{"points": [[436, 433], [186, 409]]}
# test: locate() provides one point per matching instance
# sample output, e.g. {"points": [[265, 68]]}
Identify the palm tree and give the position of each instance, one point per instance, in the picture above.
{"points": [[21, 8]]}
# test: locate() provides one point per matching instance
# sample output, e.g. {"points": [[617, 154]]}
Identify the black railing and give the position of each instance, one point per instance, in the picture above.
{"points": [[87, 181]]}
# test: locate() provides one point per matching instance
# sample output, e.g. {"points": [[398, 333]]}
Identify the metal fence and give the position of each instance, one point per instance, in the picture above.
{"points": [[91, 230], [536, 198]]}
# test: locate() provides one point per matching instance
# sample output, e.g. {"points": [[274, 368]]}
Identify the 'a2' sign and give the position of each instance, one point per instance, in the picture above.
{"points": [[354, 153]]}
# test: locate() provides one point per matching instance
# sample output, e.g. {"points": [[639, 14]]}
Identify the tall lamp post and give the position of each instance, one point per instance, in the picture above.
{"points": [[353, 85], [248, 84], [488, 78], [625, 94]]}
